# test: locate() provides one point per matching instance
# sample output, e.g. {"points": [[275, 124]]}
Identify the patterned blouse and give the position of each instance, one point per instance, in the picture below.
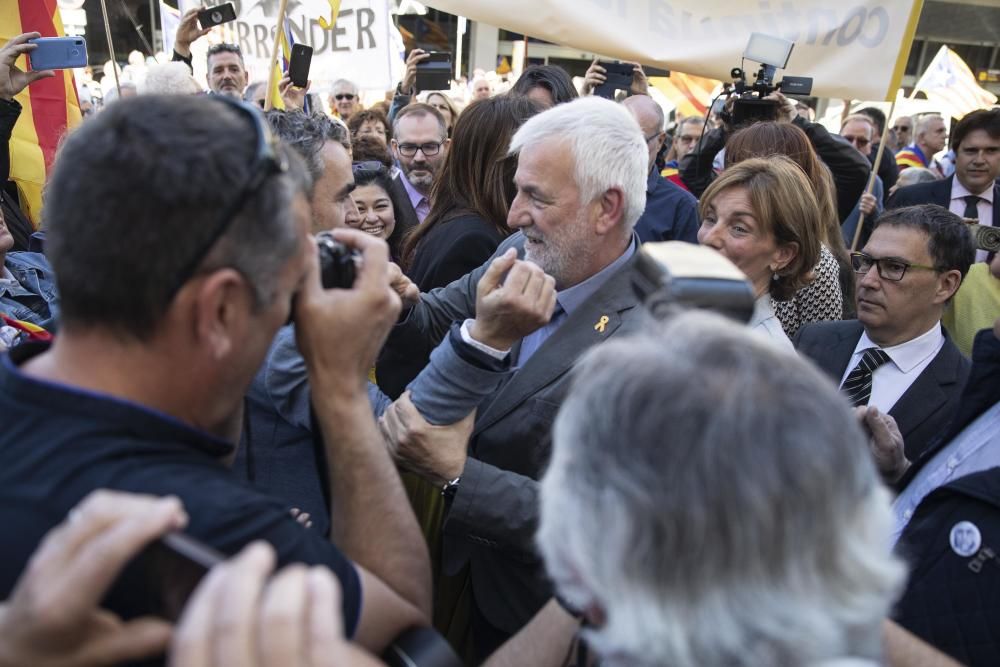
{"points": [[821, 300]]}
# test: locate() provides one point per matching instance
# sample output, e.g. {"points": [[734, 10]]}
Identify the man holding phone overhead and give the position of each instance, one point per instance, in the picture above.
{"points": [[227, 72]]}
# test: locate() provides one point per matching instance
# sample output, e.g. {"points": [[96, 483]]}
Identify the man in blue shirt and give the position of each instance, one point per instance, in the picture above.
{"points": [[671, 214]]}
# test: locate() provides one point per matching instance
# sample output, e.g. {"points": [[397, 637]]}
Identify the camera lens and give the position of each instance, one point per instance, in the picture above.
{"points": [[216, 17]]}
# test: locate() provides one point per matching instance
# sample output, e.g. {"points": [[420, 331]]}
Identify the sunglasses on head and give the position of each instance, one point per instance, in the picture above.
{"points": [[368, 167]]}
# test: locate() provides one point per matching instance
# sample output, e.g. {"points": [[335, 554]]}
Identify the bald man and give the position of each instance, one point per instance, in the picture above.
{"points": [[671, 212]]}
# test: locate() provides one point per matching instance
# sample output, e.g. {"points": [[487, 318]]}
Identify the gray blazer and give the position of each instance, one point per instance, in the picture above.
{"points": [[493, 517], [927, 406]]}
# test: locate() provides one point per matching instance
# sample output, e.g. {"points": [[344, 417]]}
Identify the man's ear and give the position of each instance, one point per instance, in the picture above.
{"points": [[222, 302], [611, 210], [948, 284]]}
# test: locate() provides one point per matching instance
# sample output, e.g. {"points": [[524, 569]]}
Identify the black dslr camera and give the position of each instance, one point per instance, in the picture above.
{"points": [[337, 262], [750, 106]]}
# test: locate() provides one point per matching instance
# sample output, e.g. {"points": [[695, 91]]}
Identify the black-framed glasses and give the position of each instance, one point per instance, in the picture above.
{"points": [[343, 96], [889, 268], [267, 162], [430, 149], [368, 166]]}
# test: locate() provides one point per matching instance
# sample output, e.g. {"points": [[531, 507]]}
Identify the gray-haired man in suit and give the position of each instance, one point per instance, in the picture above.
{"points": [[581, 186], [896, 356]]}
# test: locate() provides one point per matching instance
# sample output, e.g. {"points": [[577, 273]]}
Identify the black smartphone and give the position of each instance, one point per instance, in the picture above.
{"points": [[217, 15], [618, 77], [171, 569], [434, 72], [298, 64]]}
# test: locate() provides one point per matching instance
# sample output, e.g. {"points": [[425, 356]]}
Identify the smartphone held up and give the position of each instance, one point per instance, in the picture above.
{"points": [[58, 53]]}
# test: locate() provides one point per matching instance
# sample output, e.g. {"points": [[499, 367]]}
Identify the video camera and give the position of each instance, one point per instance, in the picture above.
{"points": [[772, 53]]}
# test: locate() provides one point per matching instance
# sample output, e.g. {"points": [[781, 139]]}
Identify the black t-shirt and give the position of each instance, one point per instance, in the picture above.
{"points": [[58, 443]]}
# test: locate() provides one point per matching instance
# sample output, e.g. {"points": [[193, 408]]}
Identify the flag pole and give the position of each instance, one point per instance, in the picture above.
{"points": [[272, 82], [874, 174], [111, 47]]}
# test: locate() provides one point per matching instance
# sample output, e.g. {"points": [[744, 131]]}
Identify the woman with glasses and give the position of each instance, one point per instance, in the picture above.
{"points": [[762, 215], [377, 202], [471, 195], [830, 295]]}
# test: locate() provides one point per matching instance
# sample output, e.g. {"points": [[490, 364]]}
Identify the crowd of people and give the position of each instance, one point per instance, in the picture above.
{"points": [[483, 431]]}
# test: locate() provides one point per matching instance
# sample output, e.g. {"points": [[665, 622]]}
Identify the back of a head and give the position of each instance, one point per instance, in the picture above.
{"points": [[949, 240], [914, 175], [768, 138], [307, 134], [740, 522], [607, 145], [784, 205], [172, 78], [550, 77], [369, 149], [877, 116], [136, 193]]}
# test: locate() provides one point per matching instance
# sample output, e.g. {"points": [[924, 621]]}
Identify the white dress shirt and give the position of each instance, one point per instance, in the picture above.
{"points": [[984, 206], [906, 362]]}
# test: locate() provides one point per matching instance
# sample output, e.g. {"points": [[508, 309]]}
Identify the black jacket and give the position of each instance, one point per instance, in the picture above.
{"points": [[17, 222], [953, 601], [936, 192]]}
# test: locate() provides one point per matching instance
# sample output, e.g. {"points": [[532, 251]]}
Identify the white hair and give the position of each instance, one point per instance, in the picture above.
{"points": [[172, 78], [607, 147], [715, 497]]}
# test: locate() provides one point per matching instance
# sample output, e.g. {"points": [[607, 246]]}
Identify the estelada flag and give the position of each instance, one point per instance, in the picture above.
{"points": [[950, 83], [48, 106]]}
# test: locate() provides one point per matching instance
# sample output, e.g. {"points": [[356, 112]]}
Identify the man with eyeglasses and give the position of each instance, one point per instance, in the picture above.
{"points": [[896, 356], [671, 213], [170, 299], [344, 100], [859, 131], [419, 144], [972, 191]]}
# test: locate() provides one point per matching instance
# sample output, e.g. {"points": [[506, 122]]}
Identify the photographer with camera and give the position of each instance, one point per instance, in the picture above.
{"points": [[849, 169], [170, 300]]}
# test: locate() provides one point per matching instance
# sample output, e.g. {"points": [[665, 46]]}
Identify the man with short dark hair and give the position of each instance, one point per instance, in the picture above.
{"points": [[226, 72], [896, 356], [170, 298], [887, 169], [972, 191], [671, 213], [419, 144]]}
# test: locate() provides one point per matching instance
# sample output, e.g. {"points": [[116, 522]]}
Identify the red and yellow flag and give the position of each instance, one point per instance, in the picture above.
{"points": [[690, 94], [49, 106]]}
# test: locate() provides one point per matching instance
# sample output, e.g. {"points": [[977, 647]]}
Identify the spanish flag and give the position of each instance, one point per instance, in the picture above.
{"points": [[690, 94], [49, 106]]}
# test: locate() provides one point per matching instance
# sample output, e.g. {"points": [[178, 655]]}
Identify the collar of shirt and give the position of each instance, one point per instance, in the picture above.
{"points": [[958, 191], [412, 193], [906, 356], [145, 422], [572, 297], [7, 275]]}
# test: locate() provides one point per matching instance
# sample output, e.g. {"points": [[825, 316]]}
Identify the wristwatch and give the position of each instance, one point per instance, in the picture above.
{"points": [[449, 489]]}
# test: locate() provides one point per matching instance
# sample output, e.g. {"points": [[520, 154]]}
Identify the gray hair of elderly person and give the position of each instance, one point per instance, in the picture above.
{"points": [[172, 78], [307, 134], [714, 498], [607, 146]]}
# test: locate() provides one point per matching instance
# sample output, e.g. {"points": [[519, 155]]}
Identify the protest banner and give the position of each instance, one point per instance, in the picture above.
{"points": [[851, 48], [360, 46]]}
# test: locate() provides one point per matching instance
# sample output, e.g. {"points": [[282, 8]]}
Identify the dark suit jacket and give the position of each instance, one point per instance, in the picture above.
{"points": [[924, 409], [936, 192], [492, 519], [405, 213]]}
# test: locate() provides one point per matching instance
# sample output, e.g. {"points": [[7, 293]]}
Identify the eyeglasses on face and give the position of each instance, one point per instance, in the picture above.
{"points": [[860, 142], [409, 150], [266, 163], [901, 128], [889, 268], [343, 96]]}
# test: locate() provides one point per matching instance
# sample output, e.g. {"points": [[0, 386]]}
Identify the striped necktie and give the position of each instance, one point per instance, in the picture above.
{"points": [[858, 385]]}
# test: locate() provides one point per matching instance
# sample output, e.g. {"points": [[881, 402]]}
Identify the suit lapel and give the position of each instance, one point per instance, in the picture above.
{"points": [[927, 394], [561, 350], [835, 362], [942, 192]]}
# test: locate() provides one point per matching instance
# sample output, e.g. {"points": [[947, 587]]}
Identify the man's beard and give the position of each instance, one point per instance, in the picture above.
{"points": [[422, 181], [556, 253]]}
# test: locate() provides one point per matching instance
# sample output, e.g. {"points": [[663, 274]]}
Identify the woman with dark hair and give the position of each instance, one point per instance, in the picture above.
{"points": [[471, 196], [369, 122], [377, 203], [548, 85], [830, 296]]}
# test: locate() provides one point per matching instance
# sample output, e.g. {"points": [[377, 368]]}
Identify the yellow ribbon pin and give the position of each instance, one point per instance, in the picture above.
{"points": [[601, 324]]}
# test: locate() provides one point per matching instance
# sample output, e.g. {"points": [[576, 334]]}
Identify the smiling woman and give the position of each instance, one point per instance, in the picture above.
{"points": [[377, 202]]}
